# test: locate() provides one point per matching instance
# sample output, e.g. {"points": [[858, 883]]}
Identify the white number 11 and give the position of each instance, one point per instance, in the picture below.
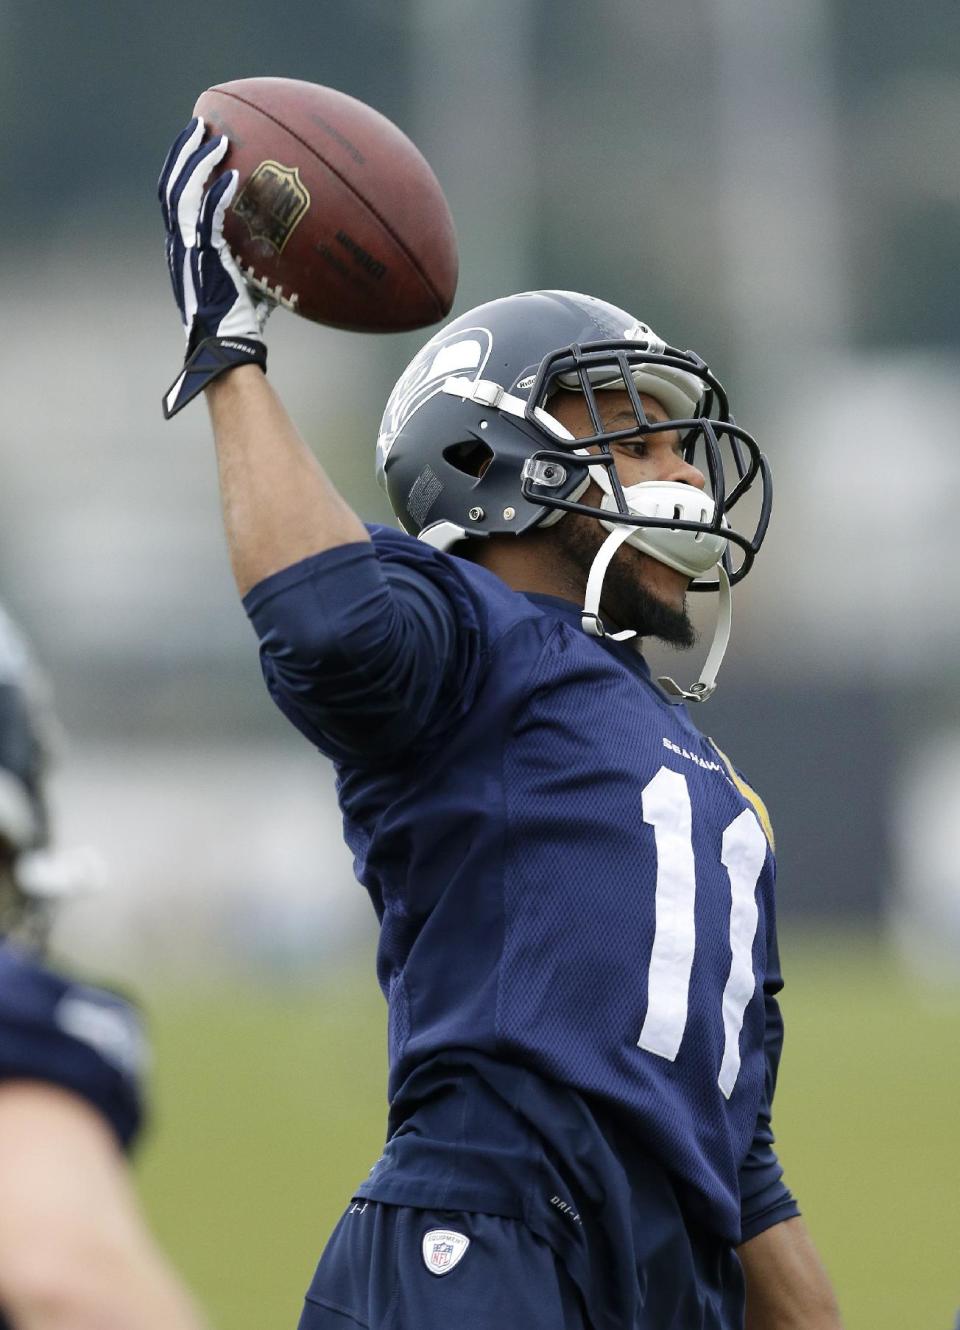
{"points": [[667, 808]]}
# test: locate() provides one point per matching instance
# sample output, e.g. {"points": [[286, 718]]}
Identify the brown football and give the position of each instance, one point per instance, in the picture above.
{"points": [[337, 215]]}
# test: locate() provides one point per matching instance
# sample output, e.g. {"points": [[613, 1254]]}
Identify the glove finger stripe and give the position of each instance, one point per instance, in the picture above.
{"points": [[222, 205], [186, 198], [173, 152], [215, 203], [190, 288], [172, 157], [190, 193], [179, 154]]}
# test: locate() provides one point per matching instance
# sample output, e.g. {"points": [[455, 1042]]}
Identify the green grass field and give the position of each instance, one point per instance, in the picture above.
{"points": [[269, 1107]]}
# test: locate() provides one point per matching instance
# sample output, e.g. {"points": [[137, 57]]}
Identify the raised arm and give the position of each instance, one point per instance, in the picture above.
{"points": [[278, 505], [369, 647]]}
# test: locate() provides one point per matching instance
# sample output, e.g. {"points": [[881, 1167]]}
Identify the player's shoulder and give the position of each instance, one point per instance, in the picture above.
{"points": [[468, 584], [700, 756], [748, 791], [66, 1033], [27, 988], [39, 1003]]}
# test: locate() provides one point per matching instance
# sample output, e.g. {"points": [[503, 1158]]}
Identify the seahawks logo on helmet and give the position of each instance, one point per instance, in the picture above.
{"points": [[464, 353]]}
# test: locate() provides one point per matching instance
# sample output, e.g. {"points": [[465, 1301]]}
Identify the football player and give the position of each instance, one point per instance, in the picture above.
{"points": [[575, 888], [75, 1253]]}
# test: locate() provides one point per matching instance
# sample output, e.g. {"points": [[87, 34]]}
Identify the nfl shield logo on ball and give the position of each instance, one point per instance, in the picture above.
{"points": [[443, 1249], [272, 202]]}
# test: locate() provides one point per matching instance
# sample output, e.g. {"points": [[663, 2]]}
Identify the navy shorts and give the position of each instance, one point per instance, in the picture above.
{"points": [[389, 1267]]}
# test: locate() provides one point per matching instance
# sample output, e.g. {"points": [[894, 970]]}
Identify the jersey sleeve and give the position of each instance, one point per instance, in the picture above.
{"points": [[765, 1199], [370, 648], [82, 1039]]}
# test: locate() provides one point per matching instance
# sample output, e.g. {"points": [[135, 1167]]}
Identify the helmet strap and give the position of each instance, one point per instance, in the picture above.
{"points": [[484, 392], [590, 620], [707, 683], [592, 623]]}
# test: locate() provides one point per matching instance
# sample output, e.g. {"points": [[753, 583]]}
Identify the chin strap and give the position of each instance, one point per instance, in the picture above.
{"points": [[593, 624], [707, 683], [590, 620]]}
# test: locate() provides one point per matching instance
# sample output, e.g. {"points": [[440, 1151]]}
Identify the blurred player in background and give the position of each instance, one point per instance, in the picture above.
{"points": [[75, 1253], [575, 888]]}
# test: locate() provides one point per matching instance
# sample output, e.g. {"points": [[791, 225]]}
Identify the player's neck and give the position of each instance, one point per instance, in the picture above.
{"points": [[532, 564]]}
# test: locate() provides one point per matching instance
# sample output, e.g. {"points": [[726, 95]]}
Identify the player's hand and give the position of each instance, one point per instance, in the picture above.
{"points": [[222, 318]]}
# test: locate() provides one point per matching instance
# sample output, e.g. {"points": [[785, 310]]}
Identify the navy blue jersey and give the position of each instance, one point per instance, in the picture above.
{"points": [[68, 1034], [575, 890]]}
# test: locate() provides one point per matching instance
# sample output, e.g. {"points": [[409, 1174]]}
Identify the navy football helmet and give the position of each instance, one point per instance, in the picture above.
{"points": [[33, 877], [468, 446], [25, 743]]}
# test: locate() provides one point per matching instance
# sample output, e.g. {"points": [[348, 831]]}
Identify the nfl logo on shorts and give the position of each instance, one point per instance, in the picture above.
{"points": [[442, 1249]]}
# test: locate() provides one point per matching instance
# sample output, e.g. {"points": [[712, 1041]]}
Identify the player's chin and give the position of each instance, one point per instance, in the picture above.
{"points": [[668, 622], [659, 608], [669, 586], [652, 599]]}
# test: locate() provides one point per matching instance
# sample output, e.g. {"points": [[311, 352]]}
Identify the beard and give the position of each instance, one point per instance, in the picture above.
{"points": [[625, 597]]}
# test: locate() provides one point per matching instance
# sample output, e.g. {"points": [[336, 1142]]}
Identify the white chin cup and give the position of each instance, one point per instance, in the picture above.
{"points": [[689, 552]]}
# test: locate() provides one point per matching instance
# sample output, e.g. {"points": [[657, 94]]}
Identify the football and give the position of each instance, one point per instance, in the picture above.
{"points": [[337, 215]]}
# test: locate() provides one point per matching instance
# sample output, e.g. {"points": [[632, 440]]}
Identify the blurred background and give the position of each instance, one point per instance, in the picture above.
{"points": [[775, 186]]}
